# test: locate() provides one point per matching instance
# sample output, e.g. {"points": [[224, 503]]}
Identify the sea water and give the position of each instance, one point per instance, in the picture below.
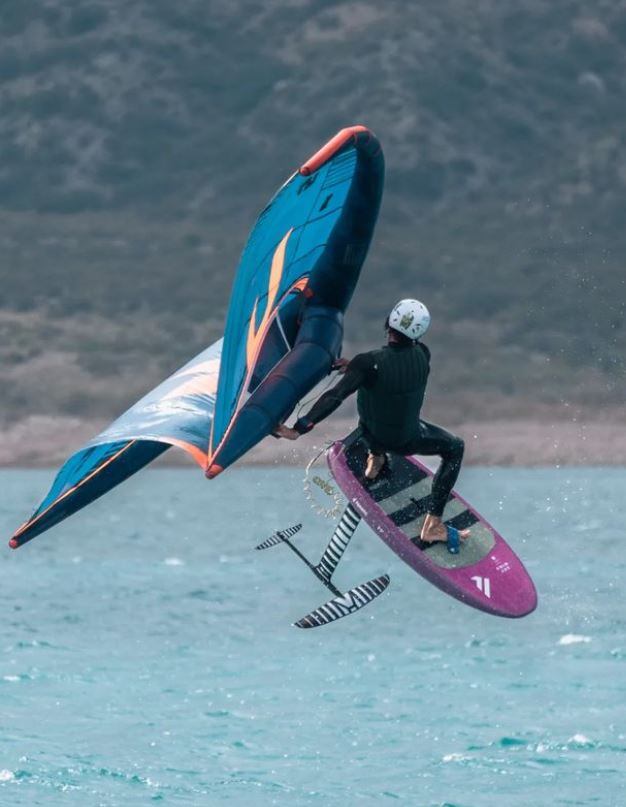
{"points": [[147, 654]]}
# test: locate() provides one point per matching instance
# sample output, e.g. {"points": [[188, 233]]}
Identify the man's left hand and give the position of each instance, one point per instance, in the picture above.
{"points": [[286, 432]]}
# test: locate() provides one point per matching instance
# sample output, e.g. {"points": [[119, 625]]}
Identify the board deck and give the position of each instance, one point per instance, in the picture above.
{"points": [[486, 573]]}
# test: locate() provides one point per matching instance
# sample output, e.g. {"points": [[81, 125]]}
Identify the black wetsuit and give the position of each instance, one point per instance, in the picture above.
{"points": [[391, 383]]}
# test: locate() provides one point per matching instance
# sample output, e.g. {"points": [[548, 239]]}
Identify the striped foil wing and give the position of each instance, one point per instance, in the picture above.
{"points": [[353, 600], [279, 537]]}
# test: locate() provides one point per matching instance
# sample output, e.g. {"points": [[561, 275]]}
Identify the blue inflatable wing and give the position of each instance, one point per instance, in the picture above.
{"points": [[178, 412], [284, 329], [295, 279]]}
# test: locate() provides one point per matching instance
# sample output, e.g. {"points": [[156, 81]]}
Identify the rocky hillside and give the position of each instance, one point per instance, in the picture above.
{"points": [[140, 140]]}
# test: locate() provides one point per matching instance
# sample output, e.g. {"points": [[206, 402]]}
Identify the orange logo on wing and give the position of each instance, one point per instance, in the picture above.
{"points": [[255, 335]]}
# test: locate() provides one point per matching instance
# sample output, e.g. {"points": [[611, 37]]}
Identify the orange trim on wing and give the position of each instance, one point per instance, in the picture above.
{"points": [[322, 156], [198, 455], [60, 498], [300, 285], [255, 335]]}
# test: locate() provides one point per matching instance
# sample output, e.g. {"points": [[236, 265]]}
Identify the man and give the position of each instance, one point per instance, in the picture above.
{"points": [[391, 383]]}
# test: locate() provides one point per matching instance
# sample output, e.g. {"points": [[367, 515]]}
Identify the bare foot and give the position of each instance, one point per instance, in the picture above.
{"points": [[374, 465], [435, 530]]}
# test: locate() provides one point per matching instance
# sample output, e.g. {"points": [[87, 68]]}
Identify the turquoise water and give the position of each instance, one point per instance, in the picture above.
{"points": [[147, 654]]}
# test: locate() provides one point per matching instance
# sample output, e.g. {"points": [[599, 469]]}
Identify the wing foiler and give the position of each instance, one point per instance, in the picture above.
{"points": [[284, 328]]}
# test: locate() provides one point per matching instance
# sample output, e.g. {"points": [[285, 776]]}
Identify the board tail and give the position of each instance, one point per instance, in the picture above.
{"points": [[353, 600], [340, 539]]}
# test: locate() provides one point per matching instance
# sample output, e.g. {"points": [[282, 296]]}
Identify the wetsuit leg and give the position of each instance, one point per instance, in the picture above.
{"points": [[435, 441], [371, 442]]}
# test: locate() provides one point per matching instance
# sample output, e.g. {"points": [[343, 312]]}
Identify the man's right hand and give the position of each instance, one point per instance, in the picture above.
{"points": [[286, 432], [341, 365]]}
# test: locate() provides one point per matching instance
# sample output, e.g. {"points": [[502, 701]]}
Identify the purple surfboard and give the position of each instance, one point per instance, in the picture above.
{"points": [[486, 573]]}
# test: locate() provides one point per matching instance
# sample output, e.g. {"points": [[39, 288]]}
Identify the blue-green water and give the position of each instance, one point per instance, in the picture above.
{"points": [[147, 654]]}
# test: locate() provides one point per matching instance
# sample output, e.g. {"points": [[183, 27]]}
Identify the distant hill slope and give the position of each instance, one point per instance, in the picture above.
{"points": [[140, 140]]}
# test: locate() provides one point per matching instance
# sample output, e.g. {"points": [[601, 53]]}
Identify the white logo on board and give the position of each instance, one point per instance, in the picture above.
{"points": [[483, 584]]}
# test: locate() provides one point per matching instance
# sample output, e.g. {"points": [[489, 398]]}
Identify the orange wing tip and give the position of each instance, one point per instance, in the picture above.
{"points": [[213, 471], [326, 152], [14, 543]]}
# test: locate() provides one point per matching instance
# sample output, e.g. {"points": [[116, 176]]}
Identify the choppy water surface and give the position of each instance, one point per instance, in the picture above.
{"points": [[147, 654]]}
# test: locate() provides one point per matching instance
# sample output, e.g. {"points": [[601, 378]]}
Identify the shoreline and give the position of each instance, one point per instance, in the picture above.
{"points": [[47, 441]]}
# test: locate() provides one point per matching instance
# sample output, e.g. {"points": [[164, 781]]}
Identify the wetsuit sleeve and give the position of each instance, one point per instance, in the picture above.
{"points": [[360, 372]]}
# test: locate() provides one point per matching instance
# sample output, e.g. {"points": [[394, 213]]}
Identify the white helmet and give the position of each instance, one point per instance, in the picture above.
{"points": [[410, 317]]}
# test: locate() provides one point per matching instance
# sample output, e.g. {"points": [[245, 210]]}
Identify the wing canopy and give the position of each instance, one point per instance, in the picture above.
{"points": [[178, 412]]}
